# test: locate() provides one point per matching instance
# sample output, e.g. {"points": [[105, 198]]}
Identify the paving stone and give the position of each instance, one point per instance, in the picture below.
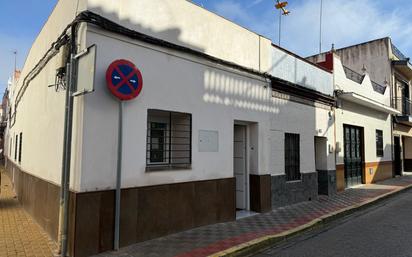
{"points": [[214, 238], [20, 235]]}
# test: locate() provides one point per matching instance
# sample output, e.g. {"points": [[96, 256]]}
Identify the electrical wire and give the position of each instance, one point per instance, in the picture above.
{"points": [[108, 25]]}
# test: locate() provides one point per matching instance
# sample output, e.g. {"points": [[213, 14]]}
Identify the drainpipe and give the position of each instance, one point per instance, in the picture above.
{"points": [[67, 140]]}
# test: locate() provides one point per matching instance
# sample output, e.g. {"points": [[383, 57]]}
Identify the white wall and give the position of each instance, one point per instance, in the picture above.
{"points": [[215, 97], [300, 72], [370, 120], [40, 114], [364, 89], [184, 23], [359, 115]]}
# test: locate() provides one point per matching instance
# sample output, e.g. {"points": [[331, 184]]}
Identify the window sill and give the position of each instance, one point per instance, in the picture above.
{"points": [[168, 167], [294, 181]]}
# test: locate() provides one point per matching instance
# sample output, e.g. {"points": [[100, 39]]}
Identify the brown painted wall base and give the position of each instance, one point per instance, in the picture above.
{"points": [[260, 193], [340, 177], [380, 171], [150, 212], [146, 212], [40, 199]]}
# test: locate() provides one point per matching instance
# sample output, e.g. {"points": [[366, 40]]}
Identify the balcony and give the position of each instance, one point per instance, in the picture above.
{"points": [[402, 65], [353, 75], [358, 78], [402, 104], [398, 53]]}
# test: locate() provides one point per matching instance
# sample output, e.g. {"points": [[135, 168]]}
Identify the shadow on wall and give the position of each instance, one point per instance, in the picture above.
{"points": [[284, 63], [171, 34], [92, 231], [231, 95]]}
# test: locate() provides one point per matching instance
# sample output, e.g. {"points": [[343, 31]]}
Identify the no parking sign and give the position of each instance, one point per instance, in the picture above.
{"points": [[124, 80]]}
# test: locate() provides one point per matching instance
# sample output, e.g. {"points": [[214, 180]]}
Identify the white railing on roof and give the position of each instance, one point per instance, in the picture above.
{"points": [[300, 72]]}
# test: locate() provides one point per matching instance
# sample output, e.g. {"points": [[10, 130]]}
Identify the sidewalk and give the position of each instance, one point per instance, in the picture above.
{"points": [[19, 234], [258, 231]]}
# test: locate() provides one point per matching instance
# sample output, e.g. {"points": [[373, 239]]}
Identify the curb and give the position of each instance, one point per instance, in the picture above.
{"points": [[265, 242]]}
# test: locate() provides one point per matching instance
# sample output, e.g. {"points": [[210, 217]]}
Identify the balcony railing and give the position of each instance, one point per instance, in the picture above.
{"points": [[378, 88], [353, 75], [402, 104], [358, 78], [398, 53]]}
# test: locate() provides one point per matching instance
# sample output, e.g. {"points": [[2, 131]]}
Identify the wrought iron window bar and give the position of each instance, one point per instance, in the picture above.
{"points": [[169, 140]]}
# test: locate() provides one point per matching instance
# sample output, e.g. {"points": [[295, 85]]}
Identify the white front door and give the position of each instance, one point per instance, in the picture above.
{"points": [[239, 165]]}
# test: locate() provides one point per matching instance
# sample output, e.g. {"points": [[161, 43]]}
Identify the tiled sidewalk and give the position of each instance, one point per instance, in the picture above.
{"points": [[19, 234], [212, 239]]}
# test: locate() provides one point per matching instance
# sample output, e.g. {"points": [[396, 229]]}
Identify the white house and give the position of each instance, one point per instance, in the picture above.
{"points": [[363, 125], [225, 122]]}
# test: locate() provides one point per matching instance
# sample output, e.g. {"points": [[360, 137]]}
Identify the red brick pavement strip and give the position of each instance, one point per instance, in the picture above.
{"points": [[293, 227], [19, 234], [253, 233], [218, 248]]}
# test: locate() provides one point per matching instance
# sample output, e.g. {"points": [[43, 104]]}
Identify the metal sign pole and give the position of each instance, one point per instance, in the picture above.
{"points": [[120, 75], [119, 177]]}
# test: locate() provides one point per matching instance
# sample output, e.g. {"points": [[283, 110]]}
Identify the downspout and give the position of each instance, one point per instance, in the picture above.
{"points": [[67, 143]]}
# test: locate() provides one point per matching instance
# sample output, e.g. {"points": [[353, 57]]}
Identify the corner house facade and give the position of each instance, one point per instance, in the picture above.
{"points": [[225, 123], [363, 125]]}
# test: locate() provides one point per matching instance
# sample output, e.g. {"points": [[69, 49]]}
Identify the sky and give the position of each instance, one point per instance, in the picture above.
{"points": [[345, 22]]}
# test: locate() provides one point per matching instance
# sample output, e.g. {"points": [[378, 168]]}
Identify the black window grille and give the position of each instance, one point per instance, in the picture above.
{"points": [[169, 140], [20, 145], [15, 147], [292, 156], [379, 143], [10, 148]]}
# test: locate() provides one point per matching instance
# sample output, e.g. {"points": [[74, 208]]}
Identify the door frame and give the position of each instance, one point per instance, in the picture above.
{"points": [[247, 162], [362, 151], [401, 155]]}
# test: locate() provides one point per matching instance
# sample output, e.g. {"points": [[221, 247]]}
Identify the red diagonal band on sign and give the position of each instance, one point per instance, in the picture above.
{"points": [[125, 79]]}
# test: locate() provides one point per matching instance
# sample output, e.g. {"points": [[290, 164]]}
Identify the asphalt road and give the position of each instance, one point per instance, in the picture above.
{"points": [[384, 230]]}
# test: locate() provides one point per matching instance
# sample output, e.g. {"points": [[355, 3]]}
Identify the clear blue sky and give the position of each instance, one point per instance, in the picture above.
{"points": [[346, 22], [20, 22]]}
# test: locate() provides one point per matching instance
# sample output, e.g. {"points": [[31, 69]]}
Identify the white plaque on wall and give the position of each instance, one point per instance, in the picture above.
{"points": [[208, 141]]}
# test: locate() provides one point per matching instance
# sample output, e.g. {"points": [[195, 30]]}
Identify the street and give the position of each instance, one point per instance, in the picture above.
{"points": [[380, 231]]}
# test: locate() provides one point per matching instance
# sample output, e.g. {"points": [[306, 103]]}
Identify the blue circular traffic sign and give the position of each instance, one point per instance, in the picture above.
{"points": [[124, 80]]}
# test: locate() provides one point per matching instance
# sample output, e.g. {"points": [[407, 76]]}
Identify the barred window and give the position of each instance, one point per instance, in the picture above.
{"points": [[292, 156], [20, 145], [169, 140], [15, 147], [379, 143]]}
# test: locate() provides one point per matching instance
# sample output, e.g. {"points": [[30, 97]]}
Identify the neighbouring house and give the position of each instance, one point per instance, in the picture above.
{"points": [[363, 124], [226, 123], [388, 66]]}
